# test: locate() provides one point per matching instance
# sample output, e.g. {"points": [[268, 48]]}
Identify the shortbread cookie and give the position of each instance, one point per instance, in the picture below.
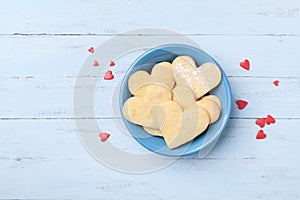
{"points": [[162, 73], [151, 131], [184, 96], [138, 110], [164, 102], [212, 75], [212, 109], [190, 60], [200, 80], [154, 93], [193, 122], [184, 60], [213, 98], [138, 80], [173, 117]]}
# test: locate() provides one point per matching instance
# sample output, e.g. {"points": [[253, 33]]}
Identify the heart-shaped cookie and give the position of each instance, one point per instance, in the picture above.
{"points": [[184, 96], [171, 112], [154, 93], [138, 80], [211, 104], [211, 108], [139, 110], [180, 126], [162, 74], [190, 60], [200, 80], [173, 116], [213, 98], [152, 131]]}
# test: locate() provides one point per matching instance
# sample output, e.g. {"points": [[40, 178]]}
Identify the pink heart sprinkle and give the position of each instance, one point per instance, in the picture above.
{"points": [[112, 63], [108, 75], [91, 50], [104, 136], [95, 64]]}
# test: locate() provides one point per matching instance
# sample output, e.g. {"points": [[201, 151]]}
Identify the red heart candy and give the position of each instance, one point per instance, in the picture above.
{"points": [[104, 136], [270, 120], [108, 75], [91, 50], [95, 64], [276, 83], [245, 64], [261, 122], [241, 104], [112, 63], [261, 135]]}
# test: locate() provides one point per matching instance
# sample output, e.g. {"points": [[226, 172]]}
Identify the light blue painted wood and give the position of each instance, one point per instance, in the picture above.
{"points": [[110, 17], [40, 154]]}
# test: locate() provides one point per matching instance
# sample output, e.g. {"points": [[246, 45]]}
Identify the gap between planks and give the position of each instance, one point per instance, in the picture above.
{"points": [[100, 76], [121, 34], [90, 118]]}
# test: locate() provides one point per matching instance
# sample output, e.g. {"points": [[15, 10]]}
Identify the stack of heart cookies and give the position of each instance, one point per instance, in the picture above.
{"points": [[173, 101]]}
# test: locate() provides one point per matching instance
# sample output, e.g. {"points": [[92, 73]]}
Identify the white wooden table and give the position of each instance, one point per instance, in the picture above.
{"points": [[42, 47]]}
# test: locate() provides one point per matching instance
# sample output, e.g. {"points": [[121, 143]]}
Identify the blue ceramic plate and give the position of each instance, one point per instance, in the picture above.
{"points": [[157, 144]]}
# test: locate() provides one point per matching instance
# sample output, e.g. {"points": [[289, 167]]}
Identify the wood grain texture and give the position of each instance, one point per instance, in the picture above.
{"points": [[270, 56], [188, 17], [238, 164], [43, 45], [52, 97]]}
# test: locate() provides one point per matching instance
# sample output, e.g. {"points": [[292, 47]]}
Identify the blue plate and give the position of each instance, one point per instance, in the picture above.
{"points": [[157, 144]]}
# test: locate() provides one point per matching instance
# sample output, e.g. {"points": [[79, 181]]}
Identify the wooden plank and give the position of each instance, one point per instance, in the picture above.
{"points": [[63, 56], [39, 157], [69, 179], [52, 97], [189, 17], [21, 138]]}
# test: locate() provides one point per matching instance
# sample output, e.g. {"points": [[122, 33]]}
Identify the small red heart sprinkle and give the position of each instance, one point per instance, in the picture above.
{"points": [[91, 50], [261, 122], [261, 135], [108, 75], [241, 104], [95, 64], [104, 136], [276, 82], [245, 64], [270, 120], [112, 63]]}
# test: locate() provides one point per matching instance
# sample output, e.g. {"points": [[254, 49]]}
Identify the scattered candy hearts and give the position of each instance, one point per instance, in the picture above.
{"points": [[112, 63], [245, 64], [108, 75], [91, 50], [276, 82], [270, 120], [95, 64], [104, 136], [261, 122], [241, 104], [261, 135]]}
